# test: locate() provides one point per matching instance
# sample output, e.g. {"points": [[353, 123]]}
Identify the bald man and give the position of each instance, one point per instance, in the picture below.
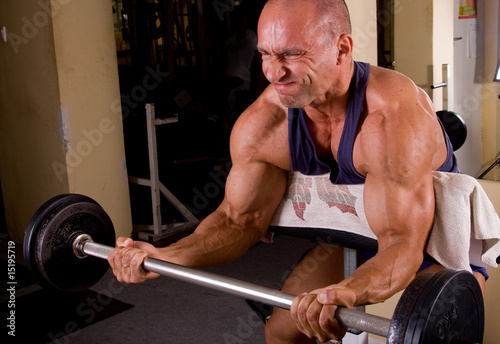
{"points": [[322, 113]]}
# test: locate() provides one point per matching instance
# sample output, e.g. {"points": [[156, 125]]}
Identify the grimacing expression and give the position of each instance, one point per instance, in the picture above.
{"points": [[297, 55]]}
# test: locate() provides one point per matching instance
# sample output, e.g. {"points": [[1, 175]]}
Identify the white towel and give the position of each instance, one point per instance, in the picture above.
{"points": [[466, 226], [465, 222]]}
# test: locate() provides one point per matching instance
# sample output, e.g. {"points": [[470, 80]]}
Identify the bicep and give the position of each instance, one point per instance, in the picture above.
{"points": [[400, 212], [253, 193], [399, 194]]}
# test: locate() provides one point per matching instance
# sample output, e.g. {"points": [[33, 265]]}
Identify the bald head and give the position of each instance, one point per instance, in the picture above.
{"points": [[306, 49], [332, 15]]}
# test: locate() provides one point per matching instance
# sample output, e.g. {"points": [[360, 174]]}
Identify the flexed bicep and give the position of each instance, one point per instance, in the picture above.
{"points": [[253, 193], [399, 212]]}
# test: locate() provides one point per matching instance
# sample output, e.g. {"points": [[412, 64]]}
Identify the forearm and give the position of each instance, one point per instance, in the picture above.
{"points": [[217, 240], [401, 214], [382, 276]]}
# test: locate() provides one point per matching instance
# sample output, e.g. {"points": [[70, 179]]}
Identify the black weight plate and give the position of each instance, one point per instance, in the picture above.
{"points": [[404, 308], [48, 248], [31, 233], [454, 126], [452, 309], [440, 308]]}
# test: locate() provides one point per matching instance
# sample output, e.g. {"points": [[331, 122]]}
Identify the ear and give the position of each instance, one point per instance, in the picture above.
{"points": [[345, 46]]}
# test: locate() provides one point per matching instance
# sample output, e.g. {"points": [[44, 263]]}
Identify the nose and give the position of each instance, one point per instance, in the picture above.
{"points": [[274, 70]]}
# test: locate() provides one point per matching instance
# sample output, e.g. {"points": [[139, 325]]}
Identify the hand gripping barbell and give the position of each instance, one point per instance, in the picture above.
{"points": [[60, 250]]}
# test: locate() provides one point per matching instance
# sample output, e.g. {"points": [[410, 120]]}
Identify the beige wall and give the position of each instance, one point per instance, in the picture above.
{"points": [[58, 133], [423, 41], [364, 29], [491, 110], [442, 51], [88, 81], [413, 32], [29, 115], [468, 68]]}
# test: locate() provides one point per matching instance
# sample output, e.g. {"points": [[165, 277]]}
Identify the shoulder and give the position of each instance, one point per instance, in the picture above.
{"points": [[400, 128], [394, 98], [261, 132], [390, 88]]}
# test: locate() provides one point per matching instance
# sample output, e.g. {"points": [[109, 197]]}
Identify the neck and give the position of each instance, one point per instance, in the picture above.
{"points": [[332, 106]]}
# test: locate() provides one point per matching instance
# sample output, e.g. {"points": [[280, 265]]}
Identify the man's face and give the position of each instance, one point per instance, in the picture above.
{"points": [[296, 57]]}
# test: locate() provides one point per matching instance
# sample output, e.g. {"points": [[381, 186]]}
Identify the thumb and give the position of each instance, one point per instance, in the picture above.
{"points": [[124, 242], [146, 247], [333, 295], [328, 297], [337, 295]]}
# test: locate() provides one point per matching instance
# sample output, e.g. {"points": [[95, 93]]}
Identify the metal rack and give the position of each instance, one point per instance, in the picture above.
{"points": [[158, 230]]}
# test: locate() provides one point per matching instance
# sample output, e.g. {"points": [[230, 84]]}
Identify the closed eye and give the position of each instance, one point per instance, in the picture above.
{"points": [[295, 55], [283, 55]]}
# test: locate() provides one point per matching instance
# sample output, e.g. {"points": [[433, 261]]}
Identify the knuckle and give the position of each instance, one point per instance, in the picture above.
{"points": [[118, 255], [327, 320], [302, 312], [125, 260], [311, 315], [137, 259], [326, 324]]}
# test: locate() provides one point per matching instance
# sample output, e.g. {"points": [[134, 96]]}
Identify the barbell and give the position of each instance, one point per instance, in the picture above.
{"points": [[70, 237]]}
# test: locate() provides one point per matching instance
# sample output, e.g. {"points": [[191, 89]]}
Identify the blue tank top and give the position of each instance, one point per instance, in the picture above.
{"points": [[303, 155]]}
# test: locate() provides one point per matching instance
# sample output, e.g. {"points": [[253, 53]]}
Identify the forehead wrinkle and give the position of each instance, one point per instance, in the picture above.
{"points": [[271, 33], [282, 36]]}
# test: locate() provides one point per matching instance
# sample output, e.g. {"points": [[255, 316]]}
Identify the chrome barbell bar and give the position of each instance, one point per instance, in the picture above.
{"points": [[83, 246]]}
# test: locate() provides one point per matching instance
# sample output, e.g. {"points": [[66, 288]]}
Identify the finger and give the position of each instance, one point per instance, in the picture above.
{"points": [[120, 259], [294, 311], [123, 241], [313, 317], [316, 320], [330, 325], [135, 266], [127, 265], [122, 264], [307, 315], [115, 259]]}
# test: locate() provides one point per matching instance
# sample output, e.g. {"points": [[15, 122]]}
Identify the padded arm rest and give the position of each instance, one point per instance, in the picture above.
{"points": [[335, 237]]}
